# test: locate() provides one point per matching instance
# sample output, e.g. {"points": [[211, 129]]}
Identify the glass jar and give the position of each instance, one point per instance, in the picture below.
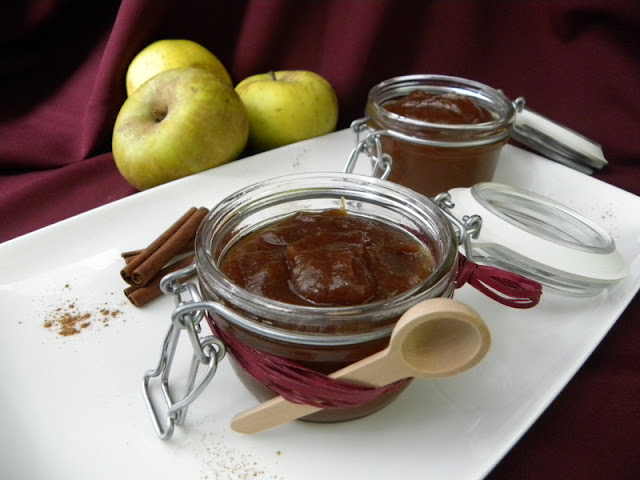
{"points": [[324, 339], [431, 158]]}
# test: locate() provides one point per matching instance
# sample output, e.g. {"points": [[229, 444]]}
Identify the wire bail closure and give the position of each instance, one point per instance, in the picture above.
{"points": [[370, 145], [208, 351], [467, 228]]}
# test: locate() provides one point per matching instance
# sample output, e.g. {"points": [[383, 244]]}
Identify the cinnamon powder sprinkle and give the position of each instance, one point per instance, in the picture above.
{"points": [[69, 320]]}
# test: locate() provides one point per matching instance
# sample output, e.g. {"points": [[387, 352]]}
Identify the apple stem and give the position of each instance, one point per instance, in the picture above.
{"points": [[273, 75]]}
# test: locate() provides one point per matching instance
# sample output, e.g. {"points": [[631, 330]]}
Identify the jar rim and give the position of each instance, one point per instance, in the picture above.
{"points": [[356, 188], [399, 86]]}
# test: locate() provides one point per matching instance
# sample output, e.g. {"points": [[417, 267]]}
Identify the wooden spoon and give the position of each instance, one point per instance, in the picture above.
{"points": [[436, 338]]}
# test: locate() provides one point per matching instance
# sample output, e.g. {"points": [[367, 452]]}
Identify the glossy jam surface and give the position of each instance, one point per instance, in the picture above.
{"points": [[328, 258], [444, 108]]}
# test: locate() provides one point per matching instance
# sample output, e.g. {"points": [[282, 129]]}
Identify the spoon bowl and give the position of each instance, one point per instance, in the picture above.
{"points": [[432, 345]]}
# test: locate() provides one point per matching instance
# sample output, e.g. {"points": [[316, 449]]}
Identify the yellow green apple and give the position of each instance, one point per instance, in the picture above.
{"points": [[287, 106], [181, 121], [167, 54]]}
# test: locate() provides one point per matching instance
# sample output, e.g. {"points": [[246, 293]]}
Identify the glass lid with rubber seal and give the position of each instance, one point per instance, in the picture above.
{"points": [[534, 236]]}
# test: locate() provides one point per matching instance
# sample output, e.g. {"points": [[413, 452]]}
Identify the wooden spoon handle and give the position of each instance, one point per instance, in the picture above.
{"points": [[269, 414]]}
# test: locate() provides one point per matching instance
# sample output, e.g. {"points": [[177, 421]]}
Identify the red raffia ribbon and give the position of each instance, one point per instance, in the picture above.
{"points": [[299, 384], [505, 287], [302, 385]]}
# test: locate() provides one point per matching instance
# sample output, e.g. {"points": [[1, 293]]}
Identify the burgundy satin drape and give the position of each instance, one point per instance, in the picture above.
{"points": [[62, 66]]}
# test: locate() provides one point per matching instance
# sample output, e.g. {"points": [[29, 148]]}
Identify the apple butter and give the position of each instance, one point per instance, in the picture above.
{"points": [[445, 108], [440, 132], [328, 258]]}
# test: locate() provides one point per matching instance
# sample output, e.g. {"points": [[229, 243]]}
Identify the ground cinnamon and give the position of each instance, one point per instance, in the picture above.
{"points": [[70, 319]]}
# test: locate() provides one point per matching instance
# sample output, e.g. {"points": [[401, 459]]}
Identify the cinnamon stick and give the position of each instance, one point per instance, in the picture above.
{"points": [[144, 254], [177, 240], [130, 255], [140, 296]]}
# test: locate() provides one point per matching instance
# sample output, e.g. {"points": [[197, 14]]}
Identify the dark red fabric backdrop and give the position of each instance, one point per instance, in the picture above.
{"points": [[62, 68]]}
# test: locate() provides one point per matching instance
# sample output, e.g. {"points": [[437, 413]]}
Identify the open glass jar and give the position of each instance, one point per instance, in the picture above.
{"points": [[429, 156], [324, 339], [425, 152]]}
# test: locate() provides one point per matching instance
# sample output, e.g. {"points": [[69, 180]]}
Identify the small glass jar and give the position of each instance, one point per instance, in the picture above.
{"points": [[324, 339], [431, 158]]}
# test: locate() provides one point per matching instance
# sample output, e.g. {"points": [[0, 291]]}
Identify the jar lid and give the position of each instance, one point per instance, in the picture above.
{"points": [[556, 141], [538, 238]]}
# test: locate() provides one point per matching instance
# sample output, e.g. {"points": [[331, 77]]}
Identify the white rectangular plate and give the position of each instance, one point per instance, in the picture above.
{"points": [[71, 406]]}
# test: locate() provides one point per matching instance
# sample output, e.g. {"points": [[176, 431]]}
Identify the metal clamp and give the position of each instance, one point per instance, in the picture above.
{"points": [[467, 228], [370, 145], [207, 351]]}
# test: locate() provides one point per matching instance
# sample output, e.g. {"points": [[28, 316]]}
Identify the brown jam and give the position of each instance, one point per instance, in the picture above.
{"points": [[444, 108], [328, 258], [454, 126]]}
